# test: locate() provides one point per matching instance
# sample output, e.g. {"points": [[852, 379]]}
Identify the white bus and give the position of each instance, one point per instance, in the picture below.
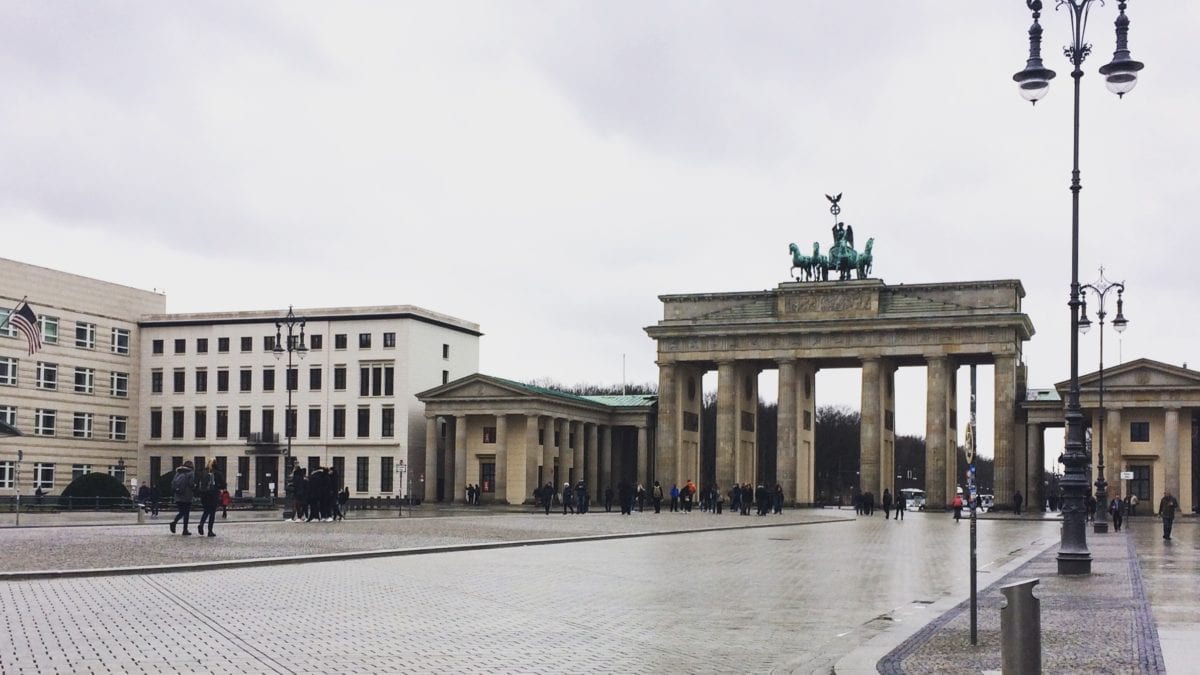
{"points": [[914, 499]]}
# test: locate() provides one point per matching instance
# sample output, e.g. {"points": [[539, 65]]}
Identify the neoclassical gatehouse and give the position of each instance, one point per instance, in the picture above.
{"points": [[509, 438]]}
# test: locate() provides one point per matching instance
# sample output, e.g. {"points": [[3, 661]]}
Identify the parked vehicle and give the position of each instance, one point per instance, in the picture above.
{"points": [[914, 499]]}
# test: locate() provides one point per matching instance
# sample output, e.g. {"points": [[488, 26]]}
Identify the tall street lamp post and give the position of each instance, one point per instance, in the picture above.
{"points": [[294, 345], [1100, 289], [1034, 82]]}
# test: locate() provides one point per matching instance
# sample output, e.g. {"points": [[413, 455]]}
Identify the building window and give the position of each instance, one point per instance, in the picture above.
{"points": [[487, 476], [1140, 485], [1139, 432], [268, 379], [155, 467], [6, 327], [362, 480], [339, 422], [8, 415], [314, 378], [364, 340], [489, 434], [177, 423], [223, 380], [85, 380], [289, 423], [7, 475], [339, 341], [268, 422], [339, 378], [292, 376], [807, 420], [156, 346], [85, 335], [118, 384], [178, 378], [156, 423], [247, 344], [222, 423], [8, 371], [180, 345], [268, 343], [244, 423], [43, 422], [47, 375], [445, 351], [243, 474], [120, 341], [201, 345], [83, 425], [388, 416], [222, 345], [376, 379], [389, 340], [247, 376], [314, 422], [385, 474], [445, 376], [80, 470], [364, 422], [118, 427], [117, 471], [43, 475], [201, 380], [156, 381], [49, 329], [200, 428], [315, 341]]}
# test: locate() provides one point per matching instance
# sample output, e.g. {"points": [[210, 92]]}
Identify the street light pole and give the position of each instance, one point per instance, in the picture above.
{"points": [[293, 346], [1034, 81], [1100, 289]]}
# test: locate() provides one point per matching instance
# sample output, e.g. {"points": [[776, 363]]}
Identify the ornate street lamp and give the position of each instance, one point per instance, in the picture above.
{"points": [[1034, 81], [294, 345], [1100, 289]]}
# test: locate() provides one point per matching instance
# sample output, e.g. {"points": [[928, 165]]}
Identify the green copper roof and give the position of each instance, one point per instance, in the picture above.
{"points": [[625, 401], [608, 401]]}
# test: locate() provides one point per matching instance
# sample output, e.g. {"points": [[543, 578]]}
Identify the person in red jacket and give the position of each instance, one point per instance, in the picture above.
{"points": [[958, 506]]}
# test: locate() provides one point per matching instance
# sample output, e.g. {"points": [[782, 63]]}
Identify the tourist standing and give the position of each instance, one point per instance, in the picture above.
{"points": [[181, 485], [1115, 507], [568, 499], [1133, 502], [625, 497], [674, 497], [608, 497], [1166, 510], [226, 500], [1091, 508], [887, 503], [901, 505], [547, 496], [656, 496], [1018, 499], [957, 504], [299, 494]]}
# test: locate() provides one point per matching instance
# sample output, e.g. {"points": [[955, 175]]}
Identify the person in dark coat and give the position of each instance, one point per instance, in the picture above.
{"points": [[568, 498], [901, 505], [1018, 500], [208, 484], [777, 496], [581, 497], [1116, 507], [656, 496], [547, 496], [182, 486], [317, 486], [625, 498], [299, 494], [1166, 510], [608, 497], [887, 503]]}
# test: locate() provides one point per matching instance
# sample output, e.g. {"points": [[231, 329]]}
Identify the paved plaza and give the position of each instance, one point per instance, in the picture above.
{"points": [[798, 596]]}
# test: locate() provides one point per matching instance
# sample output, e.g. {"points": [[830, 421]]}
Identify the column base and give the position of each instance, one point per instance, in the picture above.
{"points": [[1100, 528], [1074, 564]]}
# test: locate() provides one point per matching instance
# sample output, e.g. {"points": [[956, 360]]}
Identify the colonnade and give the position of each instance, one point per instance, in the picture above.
{"points": [[529, 450]]}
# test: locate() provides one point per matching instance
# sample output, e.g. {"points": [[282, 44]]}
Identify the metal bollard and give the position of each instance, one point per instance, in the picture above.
{"points": [[1021, 629]]}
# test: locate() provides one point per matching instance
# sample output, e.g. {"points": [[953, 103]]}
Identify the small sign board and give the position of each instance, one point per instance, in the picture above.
{"points": [[1126, 475]]}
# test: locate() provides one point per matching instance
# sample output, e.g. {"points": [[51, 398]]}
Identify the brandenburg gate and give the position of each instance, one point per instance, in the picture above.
{"points": [[799, 328]]}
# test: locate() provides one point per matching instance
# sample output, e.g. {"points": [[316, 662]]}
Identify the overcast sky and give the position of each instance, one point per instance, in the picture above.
{"points": [[547, 169]]}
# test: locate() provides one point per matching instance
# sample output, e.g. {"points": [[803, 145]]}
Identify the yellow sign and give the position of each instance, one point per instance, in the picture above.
{"points": [[969, 444]]}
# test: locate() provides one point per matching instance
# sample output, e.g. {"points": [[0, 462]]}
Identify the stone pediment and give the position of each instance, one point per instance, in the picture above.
{"points": [[1142, 373], [477, 386]]}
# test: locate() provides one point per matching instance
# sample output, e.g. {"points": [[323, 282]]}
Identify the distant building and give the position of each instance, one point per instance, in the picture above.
{"points": [[169, 387]]}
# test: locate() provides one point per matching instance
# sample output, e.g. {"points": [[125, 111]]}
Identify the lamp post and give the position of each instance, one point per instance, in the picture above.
{"points": [[1100, 289], [294, 345], [1034, 81]]}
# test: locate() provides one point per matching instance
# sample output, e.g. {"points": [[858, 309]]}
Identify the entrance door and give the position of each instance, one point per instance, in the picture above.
{"points": [[266, 472], [1140, 485]]}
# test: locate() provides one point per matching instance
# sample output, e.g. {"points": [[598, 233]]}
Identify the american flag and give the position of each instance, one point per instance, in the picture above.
{"points": [[24, 320]]}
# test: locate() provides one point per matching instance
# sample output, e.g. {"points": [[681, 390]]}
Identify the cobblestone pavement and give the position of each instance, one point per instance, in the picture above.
{"points": [[784, 599], [1107, 622]]}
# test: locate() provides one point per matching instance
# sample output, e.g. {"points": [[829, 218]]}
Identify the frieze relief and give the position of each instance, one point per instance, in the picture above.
{"points": [[828, 305]]}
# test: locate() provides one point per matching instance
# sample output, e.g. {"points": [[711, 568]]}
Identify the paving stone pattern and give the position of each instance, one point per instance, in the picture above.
{"points": [[781, 599]]}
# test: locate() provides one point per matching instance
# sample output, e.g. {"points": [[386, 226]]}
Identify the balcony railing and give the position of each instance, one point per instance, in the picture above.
{"points": [[260, 438]]}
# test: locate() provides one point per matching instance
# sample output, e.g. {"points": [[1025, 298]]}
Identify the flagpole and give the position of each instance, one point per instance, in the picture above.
{"points": [[8, 319]]}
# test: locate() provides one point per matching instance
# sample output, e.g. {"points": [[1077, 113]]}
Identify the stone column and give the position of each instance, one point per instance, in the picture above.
{"points": [[593, 459], [1113, 464], [887, 446], [806, 473], [532, 456], [606, 476], [785, 452], [937, 431], [870, 429], [448, 451], [727, 398], [667, 435], [1035, 468], [745, 443], [643, 457], [577, 454], [501, 488], [548, 452], [564, 453], [459, 489], [1005, 421], [431, 453], [1170, 452]]}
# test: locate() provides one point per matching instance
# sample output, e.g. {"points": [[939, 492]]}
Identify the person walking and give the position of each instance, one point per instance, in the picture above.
{"points": [[1018, 499], [226, 500], [887, 503], [547, 496], [209, 487], [901, 505], [1115, 507], [641, 498], [181, 486], [1166, 510], [958, 506], [656, 495], [153, 501]]}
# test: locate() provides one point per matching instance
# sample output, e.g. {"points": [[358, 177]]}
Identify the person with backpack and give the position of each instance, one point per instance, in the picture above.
{"points": [[958, 506], [181, 486], [208, 484], [1166, 510], [657, 496]]}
